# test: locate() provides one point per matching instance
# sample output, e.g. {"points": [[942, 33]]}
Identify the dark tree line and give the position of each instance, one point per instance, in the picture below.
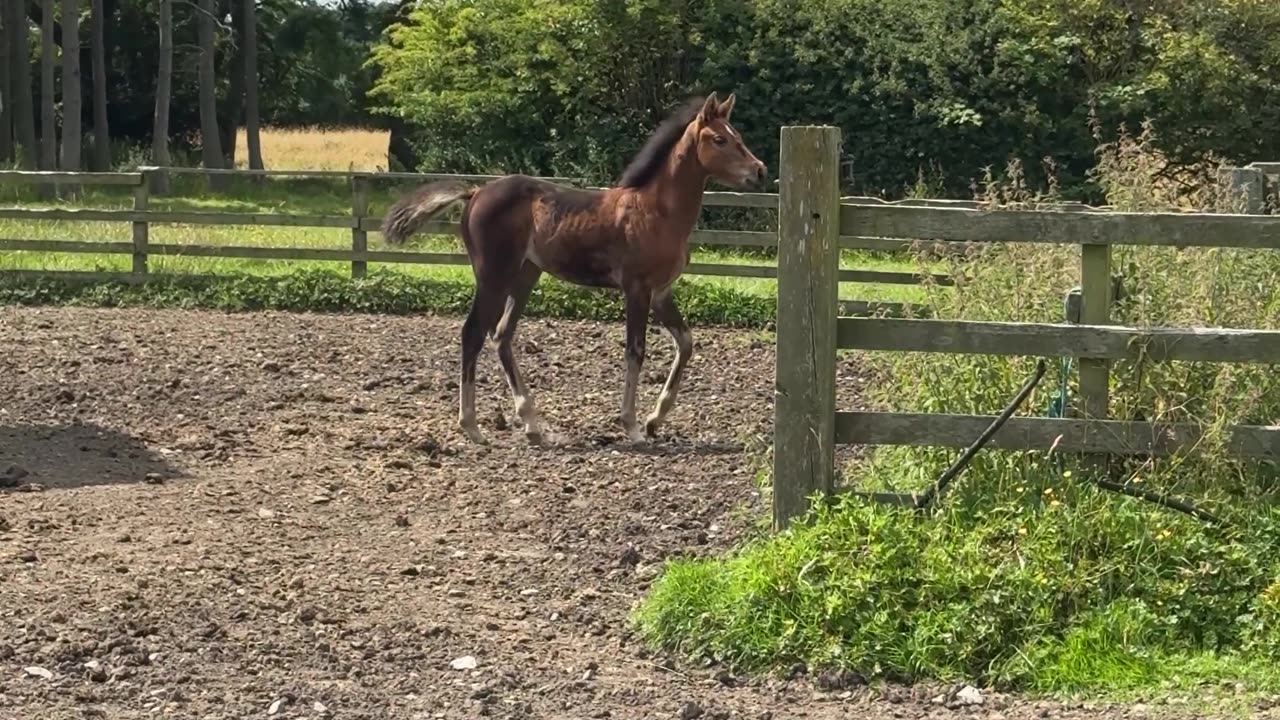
{"points": [[85, 83]]}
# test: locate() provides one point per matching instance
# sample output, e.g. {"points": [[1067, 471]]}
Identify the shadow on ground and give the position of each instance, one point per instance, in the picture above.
{"points": [[72, 456]]}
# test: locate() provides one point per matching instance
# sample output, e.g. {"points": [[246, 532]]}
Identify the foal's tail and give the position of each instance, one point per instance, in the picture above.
{"points": [[416, 209]]}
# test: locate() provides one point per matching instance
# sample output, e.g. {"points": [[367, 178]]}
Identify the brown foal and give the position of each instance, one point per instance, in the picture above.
{"points": [[633, 237]]}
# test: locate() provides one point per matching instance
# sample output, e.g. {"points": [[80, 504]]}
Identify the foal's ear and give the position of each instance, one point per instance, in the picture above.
{"points": [[726, 107], [710, 109]]}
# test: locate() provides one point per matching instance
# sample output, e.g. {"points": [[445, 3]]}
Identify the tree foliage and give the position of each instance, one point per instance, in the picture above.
{"points": [[928, 91], [932, 89], [535, 85]]}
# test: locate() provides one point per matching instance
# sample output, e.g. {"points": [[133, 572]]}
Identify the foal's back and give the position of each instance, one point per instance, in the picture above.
{"points": [[574, 234]]}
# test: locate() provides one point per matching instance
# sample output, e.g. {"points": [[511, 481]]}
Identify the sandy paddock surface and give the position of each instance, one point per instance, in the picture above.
{"points": [[209, 515]]}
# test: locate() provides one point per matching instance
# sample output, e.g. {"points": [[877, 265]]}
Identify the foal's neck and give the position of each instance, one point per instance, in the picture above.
{"points": [[677, 191]]}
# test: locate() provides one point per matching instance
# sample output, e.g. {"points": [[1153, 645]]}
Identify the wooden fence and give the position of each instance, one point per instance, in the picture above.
{"points": [[361, 224], [812, 223]]}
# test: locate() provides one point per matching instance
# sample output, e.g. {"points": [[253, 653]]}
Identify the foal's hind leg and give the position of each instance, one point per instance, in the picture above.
{"points": [[485, 307], [505, 335], [668, 315]]}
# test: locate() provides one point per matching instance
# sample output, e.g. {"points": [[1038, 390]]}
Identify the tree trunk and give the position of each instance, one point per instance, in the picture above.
{"points": [[71, 88], [22, 113], [48, 121], [101, 133], [164, 88], [401, 157], [232, 111], [253, 137], [6, 95], [211, 150]]}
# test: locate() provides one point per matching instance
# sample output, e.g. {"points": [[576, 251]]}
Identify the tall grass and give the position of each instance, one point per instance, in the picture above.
{"points": [[1030, 575], [318, 148]]}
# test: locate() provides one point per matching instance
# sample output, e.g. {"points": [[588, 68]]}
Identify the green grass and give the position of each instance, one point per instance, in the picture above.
{"points": [[1029, 576], [383, 291], [325, 197], [1096, 594]]}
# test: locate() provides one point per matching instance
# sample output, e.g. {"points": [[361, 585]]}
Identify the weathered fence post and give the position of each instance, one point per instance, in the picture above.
{"points": [[157, 178], [1248, 187], [141, 228], [1096, 290], [359, 238], [808, 267]]}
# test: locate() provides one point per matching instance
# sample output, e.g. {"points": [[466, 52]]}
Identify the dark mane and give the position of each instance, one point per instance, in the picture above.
{"points": [[646, 164]]}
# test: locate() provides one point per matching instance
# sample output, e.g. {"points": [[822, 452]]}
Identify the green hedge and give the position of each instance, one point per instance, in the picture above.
{"points": [[382, 291]]}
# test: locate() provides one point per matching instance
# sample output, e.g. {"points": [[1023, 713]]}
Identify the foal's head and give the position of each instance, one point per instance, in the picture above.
{"points": [[720, 149]]}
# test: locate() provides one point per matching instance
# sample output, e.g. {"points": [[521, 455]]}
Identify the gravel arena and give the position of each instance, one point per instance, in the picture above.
{"points": [[207, 515]]}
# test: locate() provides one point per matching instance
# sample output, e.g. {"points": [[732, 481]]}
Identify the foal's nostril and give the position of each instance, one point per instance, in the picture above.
{"points": [[761, 174]]}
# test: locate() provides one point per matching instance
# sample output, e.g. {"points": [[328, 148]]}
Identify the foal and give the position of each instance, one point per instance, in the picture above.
{"points": [[633, 238]]}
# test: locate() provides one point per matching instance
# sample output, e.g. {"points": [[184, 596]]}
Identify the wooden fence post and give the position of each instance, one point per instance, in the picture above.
{"points": [[808, 272], [1248, 186], [1097, 288], [157, 179], [359, 208], [141, 228], [1096, 291]]}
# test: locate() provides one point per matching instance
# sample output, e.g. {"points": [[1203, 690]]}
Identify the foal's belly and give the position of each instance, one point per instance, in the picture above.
{"points": [[587, 277], [577, 261]]}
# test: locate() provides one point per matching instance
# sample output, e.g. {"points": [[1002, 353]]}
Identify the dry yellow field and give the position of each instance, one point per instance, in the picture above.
{"points": [[314, 148]]}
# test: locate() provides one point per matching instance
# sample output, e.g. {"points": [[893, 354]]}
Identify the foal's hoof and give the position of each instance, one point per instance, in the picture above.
{"points": [[473, 434], [542, 438], [651, 428], [637, 436]]}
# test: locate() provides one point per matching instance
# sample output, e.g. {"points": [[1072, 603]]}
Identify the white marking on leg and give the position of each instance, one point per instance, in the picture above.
{"points": [[500, 329], [683, 340], [528, 413], [520, 395], [629, 402], [467, 412], [524, 408]]}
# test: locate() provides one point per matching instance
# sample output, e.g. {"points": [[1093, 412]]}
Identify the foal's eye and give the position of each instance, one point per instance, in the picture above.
{"points": [[718, 139]]}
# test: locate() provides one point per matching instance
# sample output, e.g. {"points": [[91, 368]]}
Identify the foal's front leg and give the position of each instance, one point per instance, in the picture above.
{"points": [[637, 307], [668, 315]]}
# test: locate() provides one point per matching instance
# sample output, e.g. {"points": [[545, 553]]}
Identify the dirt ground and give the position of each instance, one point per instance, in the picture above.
{"points": [[272, 515]]}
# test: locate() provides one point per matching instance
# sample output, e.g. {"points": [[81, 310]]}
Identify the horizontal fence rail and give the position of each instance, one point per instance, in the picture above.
{"points": [[1066, 228], [1115, 437], [51, 177], [1059, 340]]}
